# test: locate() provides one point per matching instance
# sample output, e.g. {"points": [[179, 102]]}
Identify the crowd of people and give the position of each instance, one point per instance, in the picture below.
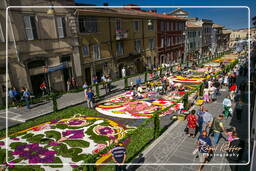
{"points": [[207, 126]]}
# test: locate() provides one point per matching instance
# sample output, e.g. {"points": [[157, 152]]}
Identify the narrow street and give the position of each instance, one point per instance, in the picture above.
{"points": [[174, 146]]}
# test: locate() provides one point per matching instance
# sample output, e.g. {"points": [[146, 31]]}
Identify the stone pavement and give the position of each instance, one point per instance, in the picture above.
{"points": [[174, 146]]}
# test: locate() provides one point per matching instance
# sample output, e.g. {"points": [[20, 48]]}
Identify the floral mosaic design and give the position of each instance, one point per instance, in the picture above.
{"points": [[70, 140]]}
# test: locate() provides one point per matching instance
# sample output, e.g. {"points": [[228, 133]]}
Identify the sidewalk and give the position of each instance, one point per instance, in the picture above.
{"points": [[174, 146]]}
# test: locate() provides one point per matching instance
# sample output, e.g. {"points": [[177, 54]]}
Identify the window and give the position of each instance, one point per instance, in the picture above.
{"points": [[136, 25], [61, 26], [162, 42], [177, 25], [30, 27], [119, 48], [138, 46], [118, 24], [85, 50], [172, 26], [88, 24], [167, 26], [151, 26], [65, 58], [151, 43], [1, 34], [161, 26], [172, 40], [168, 41], [96, 51]]}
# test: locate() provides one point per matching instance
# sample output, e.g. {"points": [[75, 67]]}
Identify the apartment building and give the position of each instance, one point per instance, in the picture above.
{"points": [[43, 45], [193, 40], [170, 39], [113, 38]]}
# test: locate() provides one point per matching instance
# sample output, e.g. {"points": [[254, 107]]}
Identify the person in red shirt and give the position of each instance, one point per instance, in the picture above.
{"points": [[43, 88], [232, 90], [192, 123]]}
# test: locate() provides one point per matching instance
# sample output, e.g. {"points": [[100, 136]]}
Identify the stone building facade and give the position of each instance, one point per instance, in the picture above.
{"points": [[42, 45]]}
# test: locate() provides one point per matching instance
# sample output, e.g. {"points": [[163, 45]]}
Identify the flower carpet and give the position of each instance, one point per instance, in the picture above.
{"points": [[68, 141], [125, 106]]}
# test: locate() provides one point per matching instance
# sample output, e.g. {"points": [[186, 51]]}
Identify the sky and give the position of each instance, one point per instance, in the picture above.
{"points": [[232, 18]]}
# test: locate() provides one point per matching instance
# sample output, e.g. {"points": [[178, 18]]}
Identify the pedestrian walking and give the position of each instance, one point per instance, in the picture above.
{"points": [[206, 96], [119, 156], [218, 128], [85, 86], [26, 97], [95, 80], [207, 120], [200, 119], [73, 82], [230, 132], [232, 90], [123, 71], [43, 88], [192, 123], [90, 98], [11, 95], [227, 107], [204, 145], [68, 85]]}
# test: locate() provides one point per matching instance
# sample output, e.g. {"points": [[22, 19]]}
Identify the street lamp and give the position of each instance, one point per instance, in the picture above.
{"points": [[51, 11]]}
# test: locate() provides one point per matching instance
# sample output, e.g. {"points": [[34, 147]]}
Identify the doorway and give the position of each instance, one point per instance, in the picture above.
{"points": [[66, 76], [88, 76], [36, 80]]}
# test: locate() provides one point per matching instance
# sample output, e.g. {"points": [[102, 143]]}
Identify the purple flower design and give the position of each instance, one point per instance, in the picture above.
{"points": [[2, 143], [75, 122], [106, 130], [74, 133], [73, 165], [54, 121], [53, 143], [15, 138], [35, 154]]}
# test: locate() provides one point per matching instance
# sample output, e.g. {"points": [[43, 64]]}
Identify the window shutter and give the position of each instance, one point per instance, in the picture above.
{"points": [[85, 50], [33, 21], [28, 28], [60, 27]]}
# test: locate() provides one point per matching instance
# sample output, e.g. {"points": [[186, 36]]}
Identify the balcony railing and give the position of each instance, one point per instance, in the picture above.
{"points": [[121, 34]]}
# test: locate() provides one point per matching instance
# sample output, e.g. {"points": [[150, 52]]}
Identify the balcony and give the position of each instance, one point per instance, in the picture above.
{"points": [[121, 34]]}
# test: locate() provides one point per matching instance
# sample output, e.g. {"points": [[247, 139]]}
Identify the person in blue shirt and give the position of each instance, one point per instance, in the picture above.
{"points": [[26, 97], [138, 81], [11, 95], [90, 96], [204, 145]]}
